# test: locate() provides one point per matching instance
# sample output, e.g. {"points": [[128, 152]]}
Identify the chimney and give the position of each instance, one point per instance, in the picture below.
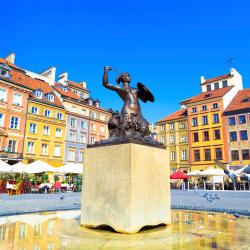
{"points": [[63, 78], [50, 73], [203, 79], [11, 58], [84, 84]]}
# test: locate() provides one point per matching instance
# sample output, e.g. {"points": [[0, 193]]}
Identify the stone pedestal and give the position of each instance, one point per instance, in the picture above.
{"points": [[125, 186]]}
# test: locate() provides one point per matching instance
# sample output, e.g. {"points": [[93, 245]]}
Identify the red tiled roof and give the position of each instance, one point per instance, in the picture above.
{"points": [[179, 114], [22, 79], [208, 95], [67, 93], [237, 102], [77, 85], [218, 78], [4, 61]]}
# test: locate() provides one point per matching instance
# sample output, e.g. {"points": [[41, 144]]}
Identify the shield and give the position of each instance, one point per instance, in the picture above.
{"points": [[144, 93]]}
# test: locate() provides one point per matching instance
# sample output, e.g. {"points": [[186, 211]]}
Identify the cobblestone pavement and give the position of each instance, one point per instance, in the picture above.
{"points": [[229, 201]]}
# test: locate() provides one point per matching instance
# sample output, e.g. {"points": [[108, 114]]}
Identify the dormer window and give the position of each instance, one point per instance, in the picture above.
{"points": [[82, 95], [90, 102], [97, 104], [51, 97], [4, 71], [224, 84], [38, 94], [64, 89], [246, 99], [207, 95]]}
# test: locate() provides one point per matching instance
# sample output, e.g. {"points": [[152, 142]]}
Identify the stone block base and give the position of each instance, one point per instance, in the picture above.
{"points": [[126, 187]]}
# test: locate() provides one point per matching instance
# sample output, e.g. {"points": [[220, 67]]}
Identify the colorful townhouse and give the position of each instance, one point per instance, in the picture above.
{"points": [[173, 132], [45, 120], [86, 121], [237, 116], [206, 123], [13, 109]]}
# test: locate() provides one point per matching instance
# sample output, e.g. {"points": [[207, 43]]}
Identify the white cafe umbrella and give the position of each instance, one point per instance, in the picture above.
{"points": [[212, 172], [19, 167], [39, 167], [194, 173], [4, 167], [75, 168]]}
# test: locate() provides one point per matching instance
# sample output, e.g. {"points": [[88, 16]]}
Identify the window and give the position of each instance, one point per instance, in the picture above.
{"points": [[14, 122], [47, 113], [3, 95], [1, 119], [90, 102], [224, 84], [37, 232], [5, 71], [231, 121], [208, 87], [75, 91], [171, 126], [163, 128], [233, 136], [57, 150], [184, 154], [242, 119], [58, 132], [72, 135], [51, 97], [197, 155], [34, 110], [64, 89], [196, 137], [93, 127], [92, 140], [183, 125], [82, 95], [183, 138], [93, 114], [2, 232], [30, 147], [12, 146], [204, 107], [218, 154], [235, 155], [17, 99], [83, 125], [246, 99], [102, 129], [38, 94], [215, 118], [22, 231], [73, 122], [217, 134], [44, 149], [243, 135], [173, 156], [71, 155], [84, 112], [194, 109], [215, 105], [205, 136], [46, 130], [163, 139], [194, 122], [81, 157], [102, 117], [97, 104], [204, 120], [207, 153], [172, 139], [59, 116], [245, 154], [83, 138], [216, 85], [32, 128]]}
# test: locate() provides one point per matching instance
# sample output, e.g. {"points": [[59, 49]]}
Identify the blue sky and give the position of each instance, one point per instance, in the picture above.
{"points": [[167, 45]]}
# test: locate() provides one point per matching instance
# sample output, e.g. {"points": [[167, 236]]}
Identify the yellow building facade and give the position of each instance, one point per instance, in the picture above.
{"points": [[45, 133], [173, 132]]}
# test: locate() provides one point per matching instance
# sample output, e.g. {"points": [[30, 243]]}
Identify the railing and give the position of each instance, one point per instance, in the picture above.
{"points": [[10, 155]]}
